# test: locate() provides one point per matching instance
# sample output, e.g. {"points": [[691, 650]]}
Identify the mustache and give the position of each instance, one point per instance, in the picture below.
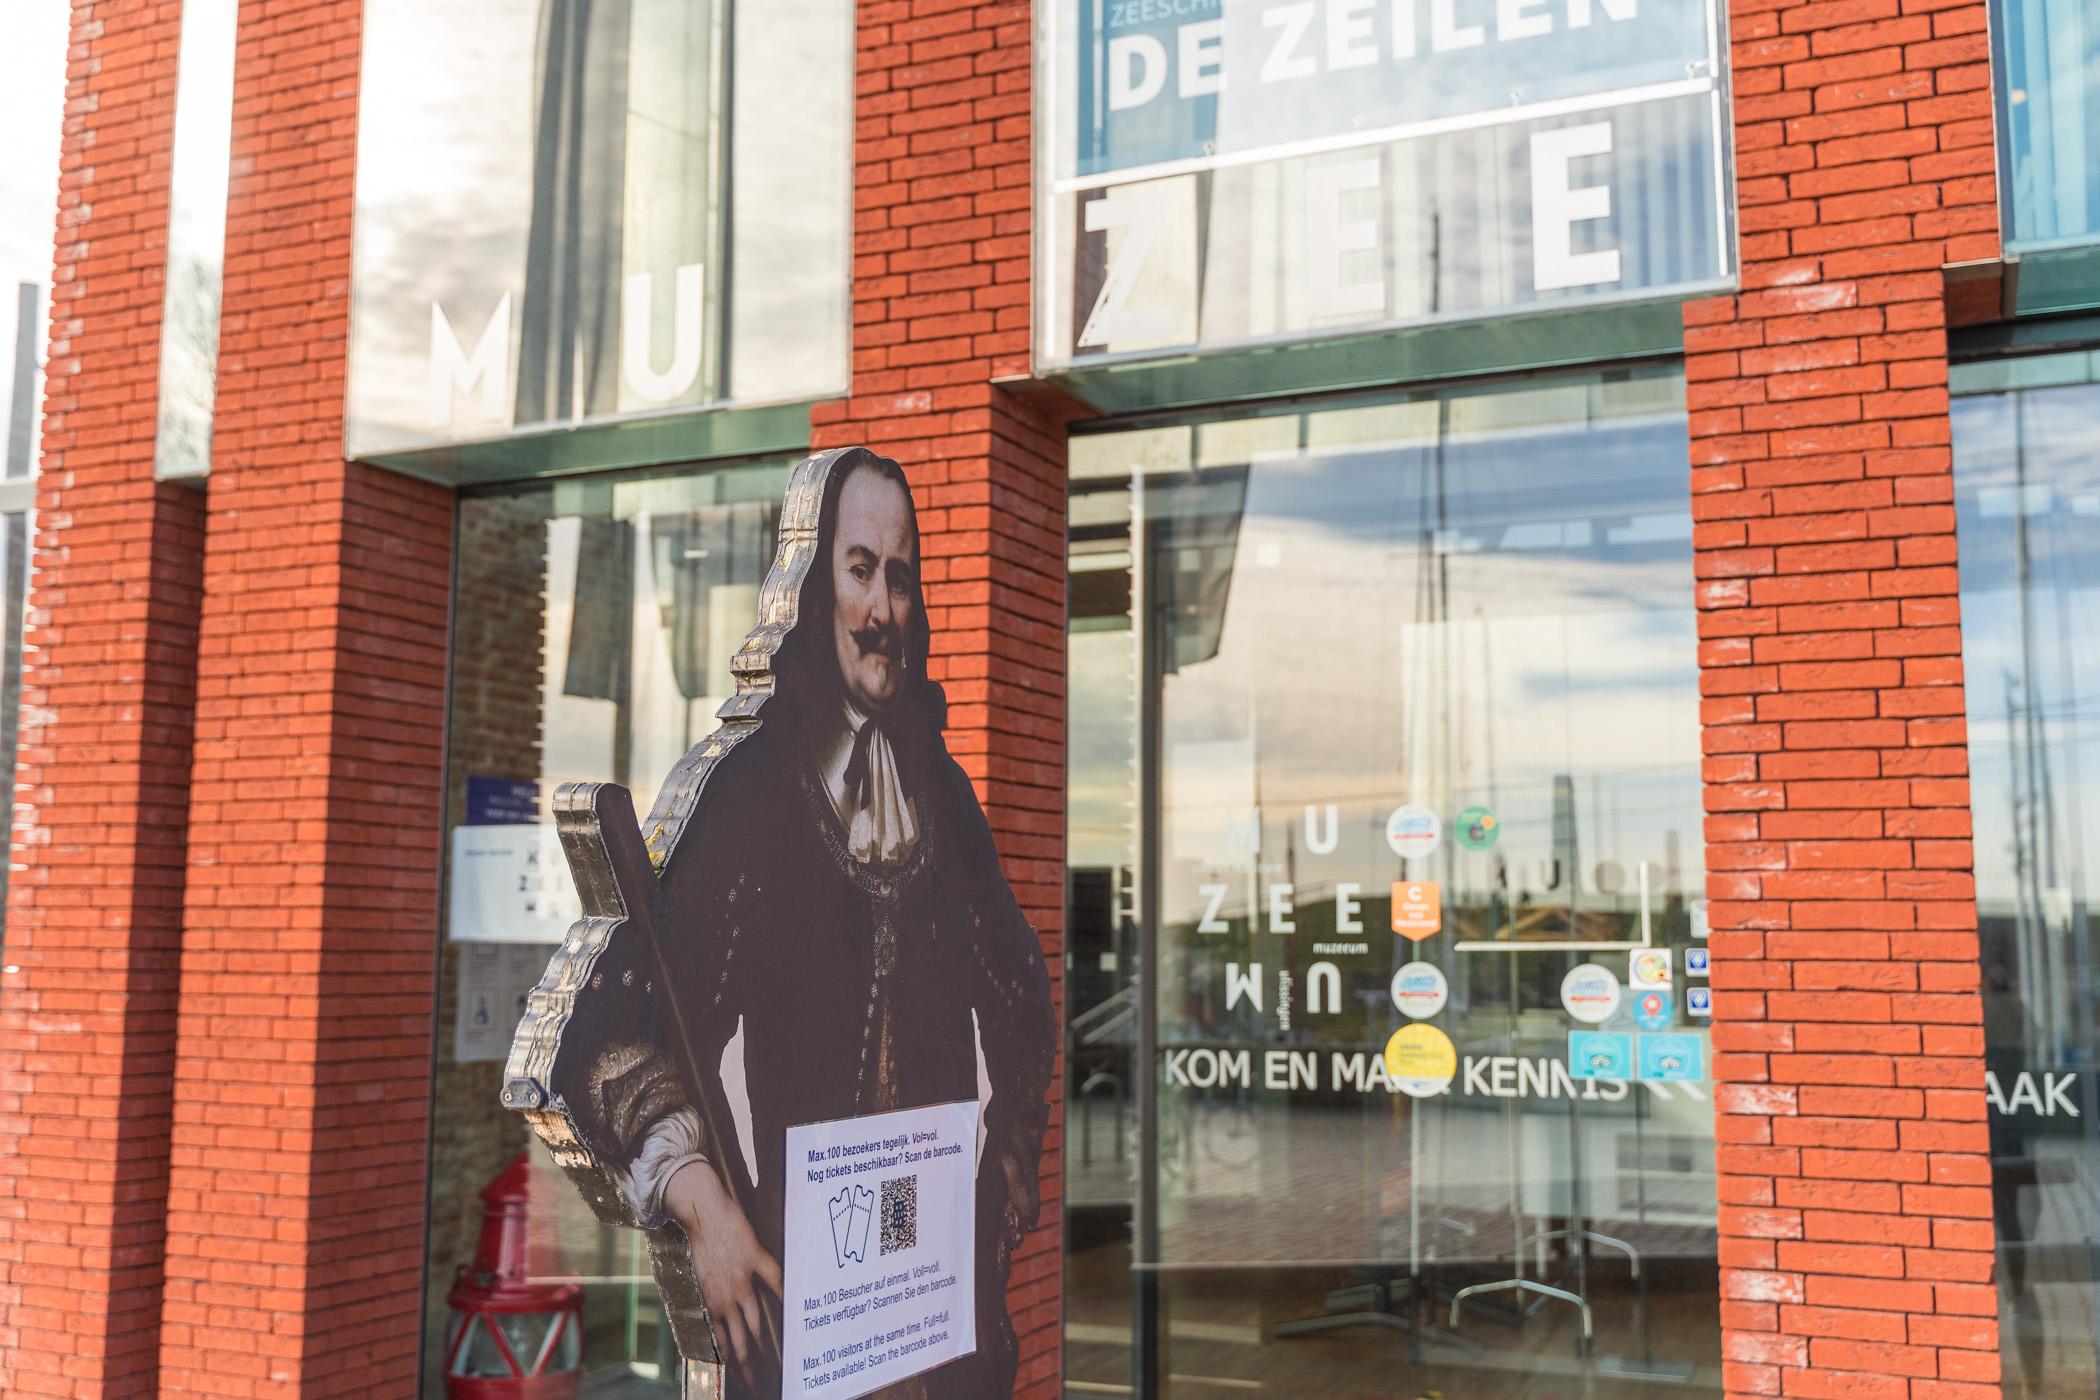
{"points": [[881, 639]]}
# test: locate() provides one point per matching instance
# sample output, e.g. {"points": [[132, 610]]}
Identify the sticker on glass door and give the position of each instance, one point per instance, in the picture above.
{"points": [[1418, 909]]}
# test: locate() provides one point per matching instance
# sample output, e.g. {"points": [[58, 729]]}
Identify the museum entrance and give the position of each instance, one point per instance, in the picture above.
{"points": [[593, 626], [1387, 993]]}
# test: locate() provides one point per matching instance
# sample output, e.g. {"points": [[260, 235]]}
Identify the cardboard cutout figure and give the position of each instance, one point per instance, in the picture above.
{"points": [[802, 1033]]}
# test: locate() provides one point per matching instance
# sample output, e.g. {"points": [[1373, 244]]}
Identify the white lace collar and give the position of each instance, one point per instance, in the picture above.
{"points": [[886, 827]]}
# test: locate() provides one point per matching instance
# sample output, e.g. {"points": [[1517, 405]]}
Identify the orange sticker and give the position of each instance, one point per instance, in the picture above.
{"points": [[1418, 909]]}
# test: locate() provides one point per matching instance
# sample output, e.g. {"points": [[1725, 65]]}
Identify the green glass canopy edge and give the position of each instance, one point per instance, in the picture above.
{"points": [[1623, 331], [609, 445], [2061, 279]]}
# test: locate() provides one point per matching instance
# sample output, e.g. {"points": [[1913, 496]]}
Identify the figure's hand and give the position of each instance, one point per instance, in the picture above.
{"points": [[727, 1258]]}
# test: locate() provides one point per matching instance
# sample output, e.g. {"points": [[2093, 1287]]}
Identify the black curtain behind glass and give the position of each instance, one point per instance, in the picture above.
{"points": [[601, 633], [1195, 529]]}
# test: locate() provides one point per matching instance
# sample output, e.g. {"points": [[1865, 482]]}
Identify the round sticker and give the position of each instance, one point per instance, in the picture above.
{"points": [[1477, 828], [1590, 993], [1652, 1011], [1420, 990], [1649, 967], [1413, 831], [1421, 1060]]}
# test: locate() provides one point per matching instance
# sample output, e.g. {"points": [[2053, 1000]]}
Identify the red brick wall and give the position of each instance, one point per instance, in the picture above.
{"points": [[87, 1022], [1856, 1234], [940, 309], [296, 1194]]}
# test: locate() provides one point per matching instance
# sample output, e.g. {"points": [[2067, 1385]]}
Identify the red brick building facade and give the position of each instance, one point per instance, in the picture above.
{"points": [[215, 1032], [1856, 1210]]}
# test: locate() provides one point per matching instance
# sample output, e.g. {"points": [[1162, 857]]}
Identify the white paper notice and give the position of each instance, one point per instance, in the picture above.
{"points": [[881, 1249], [494, 980], [510, 884]]}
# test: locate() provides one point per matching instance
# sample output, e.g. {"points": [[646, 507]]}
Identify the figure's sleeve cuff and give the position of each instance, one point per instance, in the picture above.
{"points": [[673, 1141]]}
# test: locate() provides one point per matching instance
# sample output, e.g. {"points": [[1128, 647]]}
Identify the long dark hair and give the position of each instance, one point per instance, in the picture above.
{"points": [[807, 666]]}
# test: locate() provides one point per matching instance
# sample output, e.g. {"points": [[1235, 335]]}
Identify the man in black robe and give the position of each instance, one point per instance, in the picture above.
{"points": [[833, 892]]}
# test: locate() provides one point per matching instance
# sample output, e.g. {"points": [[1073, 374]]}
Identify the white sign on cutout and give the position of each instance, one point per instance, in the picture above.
{"points": [[881, 1249]]}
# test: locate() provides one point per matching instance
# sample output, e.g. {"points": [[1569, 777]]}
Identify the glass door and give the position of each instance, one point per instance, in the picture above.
{"points": [[2027, 500], [593, 625], [1417, 879]]}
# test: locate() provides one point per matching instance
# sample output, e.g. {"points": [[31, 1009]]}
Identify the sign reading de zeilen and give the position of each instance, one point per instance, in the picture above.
{"points": [[1225, 172]]}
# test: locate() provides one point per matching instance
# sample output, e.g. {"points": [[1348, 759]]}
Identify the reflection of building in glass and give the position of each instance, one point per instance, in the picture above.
{"points": [[595, 210], [593, 633], [625, 193], [2027, 489], [189, 338], [32, 94]]}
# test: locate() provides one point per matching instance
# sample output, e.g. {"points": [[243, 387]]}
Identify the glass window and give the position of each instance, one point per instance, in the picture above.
{"points": [[196, 271], [14, 591], [570, 212], [32, 111], [2027, 497], [2047, 73], [594, 622], [1386, 981], [1220, 173], [25, 375]]}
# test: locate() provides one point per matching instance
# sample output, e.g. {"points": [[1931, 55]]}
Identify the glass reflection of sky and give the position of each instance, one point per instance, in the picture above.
{"points": [[1487, 601], [2028, 497], [2027, 500], [1565, 649], [203, 152], [1455, 227], [1101, 763], [576, 738], [32, 108], [2028, 458], [445, 176], [2048, 74]]}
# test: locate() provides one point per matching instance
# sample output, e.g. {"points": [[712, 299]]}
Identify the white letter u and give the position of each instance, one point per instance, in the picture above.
{"points": [[637, 335]]}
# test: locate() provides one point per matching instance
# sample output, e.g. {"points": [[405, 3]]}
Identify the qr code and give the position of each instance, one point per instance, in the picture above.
{"points": [[900, 1214]]}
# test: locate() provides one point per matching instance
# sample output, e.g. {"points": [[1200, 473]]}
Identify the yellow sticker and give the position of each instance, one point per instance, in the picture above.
{"points": [[1421, 1059]]}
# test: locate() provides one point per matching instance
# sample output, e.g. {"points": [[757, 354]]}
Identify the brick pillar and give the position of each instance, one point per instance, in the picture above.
{"points": [[296, 1194], [942, 188], [87, 1014], [1856, 1234]]}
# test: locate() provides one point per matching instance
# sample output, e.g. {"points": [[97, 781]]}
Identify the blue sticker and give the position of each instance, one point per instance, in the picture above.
{"points": [[1653, 1011], [1673, 1057], [1699, 1001], [1696, 962], [1600, 1055]]}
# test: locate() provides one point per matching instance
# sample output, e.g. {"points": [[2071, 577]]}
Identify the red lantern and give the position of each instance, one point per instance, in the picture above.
{"points": [[511, 1338]]}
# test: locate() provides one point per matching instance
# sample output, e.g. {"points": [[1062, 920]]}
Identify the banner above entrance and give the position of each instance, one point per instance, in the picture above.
{"points": [[1238, 172]]}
